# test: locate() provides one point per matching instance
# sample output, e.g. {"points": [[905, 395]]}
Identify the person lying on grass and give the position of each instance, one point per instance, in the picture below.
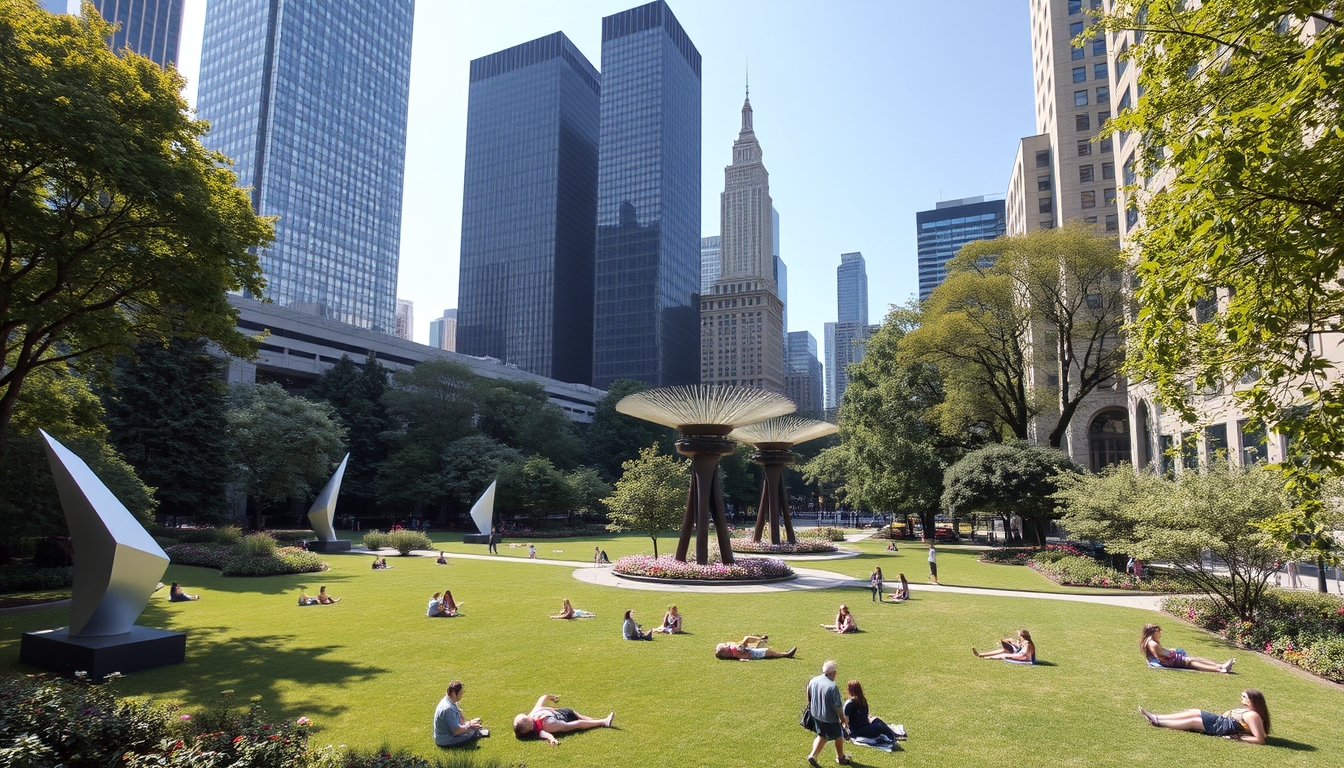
{"points": [[176, 595], [750, 649], [671, 622], [631, 631], [902, 592], [543, 722], [568, 611], [1023, 649], [844, 622], [1248, 723], [1151, 645]]}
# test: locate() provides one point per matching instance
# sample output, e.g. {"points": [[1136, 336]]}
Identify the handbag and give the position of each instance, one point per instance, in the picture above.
{"points": [[807, 721]]}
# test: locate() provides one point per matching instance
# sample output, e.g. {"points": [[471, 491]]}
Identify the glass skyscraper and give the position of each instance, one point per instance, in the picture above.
{"points": [[309, 99], [151, 28], [851, 283], [949, 226], [710, 253], [646, 312], [529, 208]]}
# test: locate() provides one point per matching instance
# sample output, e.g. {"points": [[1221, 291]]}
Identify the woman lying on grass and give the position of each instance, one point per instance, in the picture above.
{"points": [[568, 611], [1248, 723], [750, 649], [1175, 658], [1021, 650], [544, 722]]}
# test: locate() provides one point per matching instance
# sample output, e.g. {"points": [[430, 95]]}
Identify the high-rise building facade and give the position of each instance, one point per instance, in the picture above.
{"points": [[646, 319], [309, 99], [405, 321], [151, 28], [845, 337], [803, 382], [443, 331], [709, 262], [529, 208], [851, 289], [742, 316], [950, 225], [1072, 102]]}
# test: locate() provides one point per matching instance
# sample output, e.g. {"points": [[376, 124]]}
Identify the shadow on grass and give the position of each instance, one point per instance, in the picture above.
{"points": [[1296, 746], [263, 585]]}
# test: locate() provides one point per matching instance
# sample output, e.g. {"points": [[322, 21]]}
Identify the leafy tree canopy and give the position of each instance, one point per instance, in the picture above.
{"points": [[355, 393], [471, 464], [1238, 251], [650, 497], [116, 224], [534, 488], [615, 438], [519, 414], [1007, 479]]}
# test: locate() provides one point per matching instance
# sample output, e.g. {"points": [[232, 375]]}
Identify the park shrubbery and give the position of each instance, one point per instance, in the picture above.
{"points": [[25, 578], [202, 555], [253, 555], [375, 540], [667, 567], [405, 541], [1305, 629], [1024, 555], [827, 533], [805, 546]]}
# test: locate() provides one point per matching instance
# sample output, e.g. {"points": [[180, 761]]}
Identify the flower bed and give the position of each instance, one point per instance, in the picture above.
{"points": [[1024, 555], [826, 533], [805, 546], [667, 567], [1079, 571], [203, 555], [286, 560], [1305, 629]]}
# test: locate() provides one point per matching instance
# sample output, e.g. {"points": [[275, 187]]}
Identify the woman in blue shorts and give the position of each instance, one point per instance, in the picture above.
{"points": [[1248, 723]]}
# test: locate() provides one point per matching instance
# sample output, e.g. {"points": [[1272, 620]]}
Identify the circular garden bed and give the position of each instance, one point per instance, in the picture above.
{"points": [[668, 569], [802, 547]]}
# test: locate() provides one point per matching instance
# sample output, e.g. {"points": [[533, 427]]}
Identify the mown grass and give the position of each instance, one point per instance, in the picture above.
{"points": [[370, 669]]}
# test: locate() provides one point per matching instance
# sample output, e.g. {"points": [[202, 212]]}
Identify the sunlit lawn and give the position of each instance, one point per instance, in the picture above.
{"points": [[371, 668]]}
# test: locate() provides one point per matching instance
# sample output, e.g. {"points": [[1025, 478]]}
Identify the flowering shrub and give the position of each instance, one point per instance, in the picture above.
{"points": [[203, 555], [666, 567], [828, 533], [804, 546], [1024, 555], [1078, 571], [386, 757], [1303, 629], [239, 562]]}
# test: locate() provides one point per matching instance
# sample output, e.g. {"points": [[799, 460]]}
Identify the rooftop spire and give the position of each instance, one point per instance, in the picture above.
{"points": [[746, 105]]}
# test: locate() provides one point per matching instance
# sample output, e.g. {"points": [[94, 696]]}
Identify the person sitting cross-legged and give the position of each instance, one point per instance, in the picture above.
{"points": [[450, 728], [631, 631], [844, 622], [544, 722], [671, 622]]}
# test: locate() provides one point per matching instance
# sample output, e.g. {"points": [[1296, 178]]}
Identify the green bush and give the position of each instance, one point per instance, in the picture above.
{"points": [[826, 533], [25, 578], [257, 545], [286, 560], [405, 541], [386, 757], [202, 555], [289, 537], [375, 540], [1303, 628], [228, 534]]}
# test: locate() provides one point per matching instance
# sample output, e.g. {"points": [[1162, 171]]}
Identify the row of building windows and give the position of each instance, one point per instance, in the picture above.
{"points": [[1080, 98], [1098, 73], [1083, 122]]}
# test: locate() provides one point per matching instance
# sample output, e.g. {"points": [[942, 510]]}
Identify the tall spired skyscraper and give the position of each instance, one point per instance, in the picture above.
{"points": [[645, 318], [309, 99], [742, 317]]}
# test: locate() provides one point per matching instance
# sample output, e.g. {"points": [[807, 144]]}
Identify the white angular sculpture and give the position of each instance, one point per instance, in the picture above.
{"points": [[117, 563], [322, 514], [483, 511]]}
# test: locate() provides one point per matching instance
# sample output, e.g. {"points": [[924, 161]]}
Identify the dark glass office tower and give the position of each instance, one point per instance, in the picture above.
{"points": [[949, 226], [646, 314], [151, 28], [309, 98], [529, 209]]}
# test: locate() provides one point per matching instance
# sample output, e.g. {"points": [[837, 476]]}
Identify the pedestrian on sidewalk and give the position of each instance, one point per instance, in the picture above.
{"points": [[933, 564], [493, 541], [1292, 575]]}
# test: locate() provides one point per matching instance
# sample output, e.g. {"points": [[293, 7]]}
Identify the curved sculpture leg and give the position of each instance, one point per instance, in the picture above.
{"points": [[784, 511], [687, 523], [117, 562], [707, 480], [322, 515], [762, 510], [721, 522]]}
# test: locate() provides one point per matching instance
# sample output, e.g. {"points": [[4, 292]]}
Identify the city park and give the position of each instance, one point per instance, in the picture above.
{"points": [[245, 676]]}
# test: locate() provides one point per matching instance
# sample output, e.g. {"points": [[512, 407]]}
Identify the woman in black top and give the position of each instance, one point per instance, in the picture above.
{"points": [[856, 712]]}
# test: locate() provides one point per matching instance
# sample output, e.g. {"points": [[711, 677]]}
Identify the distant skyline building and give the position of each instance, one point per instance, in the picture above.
{"points": [[781, 273], [845, 337], [646, 325], [942, 232], [151, 28], [443, 331], [405, 327], [311, 105], [803, 379], [709, 262], [742, 317], [851, 289], [529, 209]]}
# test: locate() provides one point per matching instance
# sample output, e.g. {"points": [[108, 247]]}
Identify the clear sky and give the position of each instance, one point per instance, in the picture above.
{"points": [[867, 111]]}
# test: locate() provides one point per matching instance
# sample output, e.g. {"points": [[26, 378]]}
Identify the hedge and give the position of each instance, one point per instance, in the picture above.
{"points": [[25, 578]]}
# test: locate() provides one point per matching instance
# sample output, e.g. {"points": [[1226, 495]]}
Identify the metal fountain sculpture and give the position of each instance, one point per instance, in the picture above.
{"points": [[117, 568], [322, 515], [773, 439], [705, 416]]}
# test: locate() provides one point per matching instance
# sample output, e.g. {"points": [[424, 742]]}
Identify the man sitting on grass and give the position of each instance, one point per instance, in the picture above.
{"points": [[450, 729]]}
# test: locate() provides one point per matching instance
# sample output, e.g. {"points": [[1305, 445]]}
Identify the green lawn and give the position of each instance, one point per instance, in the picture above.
{"points": [[371, 669]]}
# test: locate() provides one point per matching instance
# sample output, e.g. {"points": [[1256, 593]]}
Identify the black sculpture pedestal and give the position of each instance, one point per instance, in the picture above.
{"points": [[136, 651], [476, 538], [339, 545]]}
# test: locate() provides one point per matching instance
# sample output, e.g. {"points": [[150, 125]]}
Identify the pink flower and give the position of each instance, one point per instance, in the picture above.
{"points": [[303, 721], [186, 717]]}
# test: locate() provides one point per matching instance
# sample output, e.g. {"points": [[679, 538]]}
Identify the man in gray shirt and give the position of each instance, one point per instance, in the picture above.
{"points": [[449, 727], [823, 701]]}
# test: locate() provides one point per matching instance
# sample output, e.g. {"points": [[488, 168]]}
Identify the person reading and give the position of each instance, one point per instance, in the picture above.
{"points": [[450, 726], [671, 622], [844, 622], [1021, 650], [631, 631], [902, 592]]}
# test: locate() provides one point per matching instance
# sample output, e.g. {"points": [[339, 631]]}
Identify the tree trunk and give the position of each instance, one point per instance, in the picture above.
{"points": [[655, 546], [926, 519]]}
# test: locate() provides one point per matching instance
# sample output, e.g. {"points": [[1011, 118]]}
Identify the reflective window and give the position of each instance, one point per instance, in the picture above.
{"points": [[1080, 74], [1086, 173], [1088, 199], [1082, 122], [1084, 148], [1080, 98]]}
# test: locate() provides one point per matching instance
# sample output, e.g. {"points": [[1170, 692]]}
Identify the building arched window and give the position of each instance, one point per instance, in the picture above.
{"points": [[1108, 439]]}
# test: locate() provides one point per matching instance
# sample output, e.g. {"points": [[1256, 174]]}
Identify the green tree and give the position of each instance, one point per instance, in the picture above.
{"points": [[471, 464], [1238, 250], [59, 401], [281, 446], [165, 414], [1007, 479], [520, 415], [534, 488], [589, 490], [615, 438], [741, 480], [650, 496], [894, 436], [355, 393], [1182, 521], [117, 225], [430, 407]]}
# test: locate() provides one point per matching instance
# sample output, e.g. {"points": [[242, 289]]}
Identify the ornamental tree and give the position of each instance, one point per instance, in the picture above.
{"points": [[650, 496], [116, 224]]}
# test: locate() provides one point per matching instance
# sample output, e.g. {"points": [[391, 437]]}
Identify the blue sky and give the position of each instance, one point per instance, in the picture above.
{"points": [[867, 111]]}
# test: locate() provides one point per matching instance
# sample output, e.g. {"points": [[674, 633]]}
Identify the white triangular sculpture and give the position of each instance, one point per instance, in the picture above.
{"points": [[322, 514], [483, 511], [117, 563]]}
